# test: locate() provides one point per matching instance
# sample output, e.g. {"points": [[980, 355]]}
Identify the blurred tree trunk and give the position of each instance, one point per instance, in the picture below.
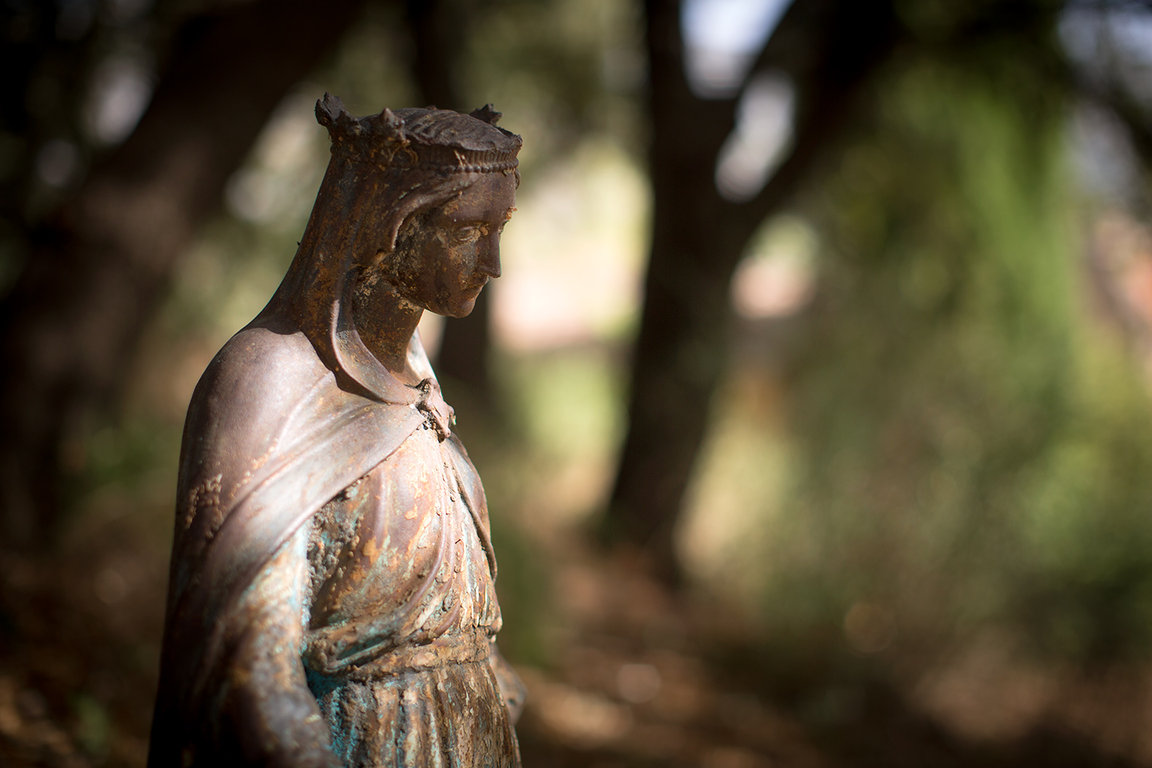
{"points": [[829, 50], [438, 49], [100, 264]]}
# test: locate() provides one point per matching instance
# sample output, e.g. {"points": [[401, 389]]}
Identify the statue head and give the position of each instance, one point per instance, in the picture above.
{"points": [[413, 200], [444, 184]]}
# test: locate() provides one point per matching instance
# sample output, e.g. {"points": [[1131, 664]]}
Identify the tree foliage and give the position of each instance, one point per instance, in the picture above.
{"points": [[971, 438]]}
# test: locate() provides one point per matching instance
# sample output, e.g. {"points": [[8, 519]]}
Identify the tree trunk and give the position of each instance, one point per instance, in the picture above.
{"points": [[829, 49], [99, 267]]}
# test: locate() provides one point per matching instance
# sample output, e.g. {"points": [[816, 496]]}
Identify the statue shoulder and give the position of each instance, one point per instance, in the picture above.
{"points": [[256, 356], [248, 390], [257, 369]]}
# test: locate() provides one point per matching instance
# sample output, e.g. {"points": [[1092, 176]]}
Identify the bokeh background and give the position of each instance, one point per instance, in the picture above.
{"points": [[813, 404]]}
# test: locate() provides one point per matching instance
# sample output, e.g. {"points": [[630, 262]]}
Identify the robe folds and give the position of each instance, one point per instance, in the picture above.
{"points": [[331, 598]]}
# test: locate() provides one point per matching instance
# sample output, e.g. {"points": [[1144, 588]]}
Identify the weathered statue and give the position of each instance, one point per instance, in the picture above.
{"points": [[331, 598]]}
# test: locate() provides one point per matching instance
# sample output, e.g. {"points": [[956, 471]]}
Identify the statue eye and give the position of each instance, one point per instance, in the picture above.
{"points": [[466, 233]]}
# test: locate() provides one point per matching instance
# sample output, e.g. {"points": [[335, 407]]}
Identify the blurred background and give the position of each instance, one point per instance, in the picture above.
{"points": [[813, 404]]}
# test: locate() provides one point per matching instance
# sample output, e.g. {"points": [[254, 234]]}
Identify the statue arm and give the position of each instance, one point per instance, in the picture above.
{"points": [[273, 714]]}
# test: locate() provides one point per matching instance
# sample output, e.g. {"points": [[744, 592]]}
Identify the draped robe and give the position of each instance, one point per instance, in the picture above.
{"points": [[331, 599]]}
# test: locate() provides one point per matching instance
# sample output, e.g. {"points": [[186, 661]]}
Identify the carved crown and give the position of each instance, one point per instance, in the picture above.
{"points": [[429, 138]]}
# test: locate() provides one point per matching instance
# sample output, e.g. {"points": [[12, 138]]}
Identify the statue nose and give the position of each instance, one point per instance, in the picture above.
{"points": [[489, 262]]}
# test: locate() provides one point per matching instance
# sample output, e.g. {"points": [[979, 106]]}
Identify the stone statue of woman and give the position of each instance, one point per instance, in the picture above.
{"points": [[331, 598]]}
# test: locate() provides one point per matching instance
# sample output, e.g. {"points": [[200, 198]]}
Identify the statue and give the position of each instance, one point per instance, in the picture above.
{"points": [[331, 597]]}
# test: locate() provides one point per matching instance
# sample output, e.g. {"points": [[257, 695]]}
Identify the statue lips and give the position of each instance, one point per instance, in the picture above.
{"points": [[476, 286]]}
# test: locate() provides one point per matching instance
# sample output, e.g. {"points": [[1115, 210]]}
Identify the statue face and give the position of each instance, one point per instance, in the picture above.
{"points": [[443, 263]]}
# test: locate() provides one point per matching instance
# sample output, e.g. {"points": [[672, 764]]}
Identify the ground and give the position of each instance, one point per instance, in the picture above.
{"points": [[639, 675]]}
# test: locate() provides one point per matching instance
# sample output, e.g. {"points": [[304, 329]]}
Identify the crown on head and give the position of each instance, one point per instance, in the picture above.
{"points": [[430, 138]]}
